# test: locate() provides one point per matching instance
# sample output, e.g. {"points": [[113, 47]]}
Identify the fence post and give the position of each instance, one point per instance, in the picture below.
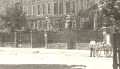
{"points": [[31, 39], [45, 38], [15, 38]]}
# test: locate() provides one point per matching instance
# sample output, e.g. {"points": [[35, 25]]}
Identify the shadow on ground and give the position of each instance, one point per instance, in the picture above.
{"points": [[41, 66]]}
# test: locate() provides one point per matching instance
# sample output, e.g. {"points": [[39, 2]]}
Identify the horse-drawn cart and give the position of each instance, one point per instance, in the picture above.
{"points": [[102, 49]]}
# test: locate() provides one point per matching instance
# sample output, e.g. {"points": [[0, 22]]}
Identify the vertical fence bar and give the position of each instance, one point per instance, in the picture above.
{"points": [[15, 38], [31, 39], [45, 38], [20, 39]]}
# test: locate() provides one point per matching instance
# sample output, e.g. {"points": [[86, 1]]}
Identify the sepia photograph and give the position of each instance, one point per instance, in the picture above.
{"points": [[59, 34]]}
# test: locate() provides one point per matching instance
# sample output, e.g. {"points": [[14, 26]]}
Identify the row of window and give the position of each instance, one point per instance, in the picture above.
{"points": [[57, 25], [35, 1], [40, 25], [51, 8], [55, 7]]}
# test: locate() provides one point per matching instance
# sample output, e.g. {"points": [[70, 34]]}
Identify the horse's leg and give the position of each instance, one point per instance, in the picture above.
{"points": [[106, 51], [96, 51], [99, 52], [110, 51]]}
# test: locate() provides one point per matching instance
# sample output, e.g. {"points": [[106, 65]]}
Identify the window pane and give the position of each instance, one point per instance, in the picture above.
{"points": [[33, 9], [67, 7], [48, 8], [43, 6], [39, 10], [61, 7], [55, 8]]}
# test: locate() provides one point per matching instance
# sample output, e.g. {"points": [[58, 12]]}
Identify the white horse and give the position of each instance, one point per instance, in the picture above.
{"points": [[103, 46], [99, 48]]}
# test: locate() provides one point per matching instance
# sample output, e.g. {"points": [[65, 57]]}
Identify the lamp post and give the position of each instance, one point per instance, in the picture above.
{"points": [[45, 38], [45, 32], [18, 40], [69, 33]]}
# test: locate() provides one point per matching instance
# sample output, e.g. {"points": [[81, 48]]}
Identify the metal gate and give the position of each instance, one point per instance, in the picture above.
{"points": [[30, 39], [22, 39]]}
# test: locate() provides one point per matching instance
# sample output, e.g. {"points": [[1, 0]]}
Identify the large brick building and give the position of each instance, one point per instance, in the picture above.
{"points": [[56, 10]]}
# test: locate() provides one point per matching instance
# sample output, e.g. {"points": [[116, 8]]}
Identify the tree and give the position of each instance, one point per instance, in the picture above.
{"points": [[110, 11], [14, 19]]}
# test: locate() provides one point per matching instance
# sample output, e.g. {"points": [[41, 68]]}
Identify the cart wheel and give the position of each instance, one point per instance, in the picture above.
{"points": [[98, 52], [108, 52]]}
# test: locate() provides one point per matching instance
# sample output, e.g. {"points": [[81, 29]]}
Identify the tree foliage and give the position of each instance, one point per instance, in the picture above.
{"points": [[15, 18], [110, 11]]}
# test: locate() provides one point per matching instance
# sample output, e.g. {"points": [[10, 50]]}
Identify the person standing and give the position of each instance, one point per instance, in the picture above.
{"points": [[92, 48]]}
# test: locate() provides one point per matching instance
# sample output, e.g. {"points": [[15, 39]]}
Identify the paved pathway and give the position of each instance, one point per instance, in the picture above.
{"points": [[54, 56]]}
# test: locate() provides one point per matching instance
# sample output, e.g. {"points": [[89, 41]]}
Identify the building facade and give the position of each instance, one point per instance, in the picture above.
{"points": [[56, 10], [50, 15], [55, 7]]}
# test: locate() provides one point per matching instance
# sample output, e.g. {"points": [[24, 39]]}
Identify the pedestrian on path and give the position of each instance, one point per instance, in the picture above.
{"points": [[92, 48]]}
